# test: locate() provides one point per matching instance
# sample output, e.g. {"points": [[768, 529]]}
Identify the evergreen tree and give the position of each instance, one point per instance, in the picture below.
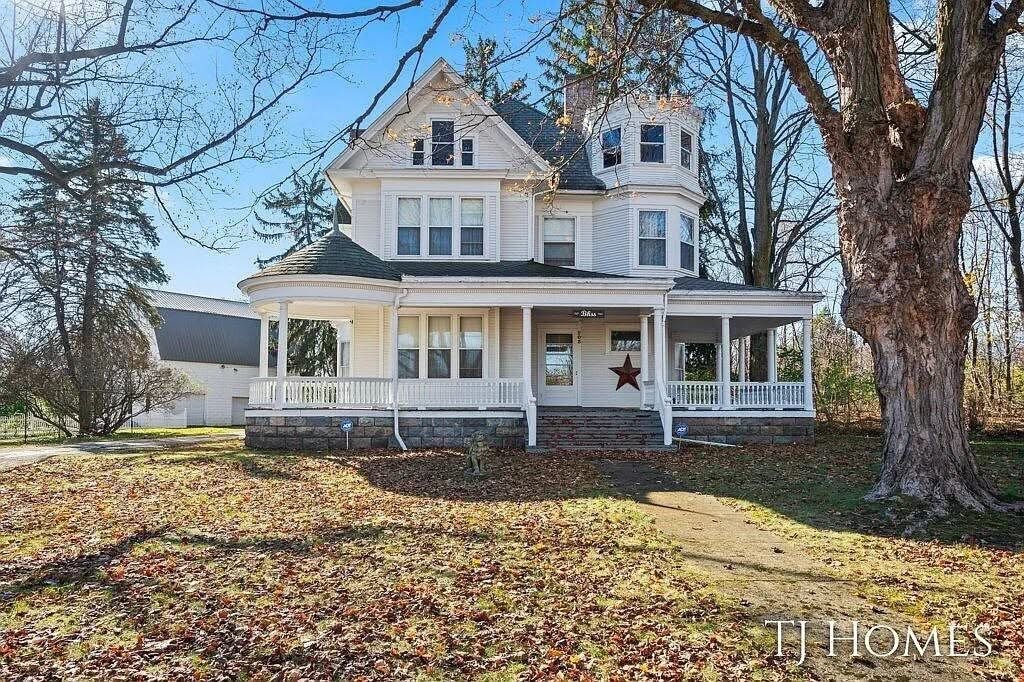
{"points": [[603, 42], [483, 76], [298, 216], [87, 251]]}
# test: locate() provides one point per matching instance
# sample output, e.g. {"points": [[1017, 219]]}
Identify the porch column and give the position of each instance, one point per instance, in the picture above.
{"points": [[725, 363], [743, 359], [282, 352], [645, 353], [529, 401], [264, 345], [660, 393], [808, 369], [773, 360]]}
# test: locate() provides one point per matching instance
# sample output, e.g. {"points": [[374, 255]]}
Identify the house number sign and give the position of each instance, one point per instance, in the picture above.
{"points": [[588, 314]]}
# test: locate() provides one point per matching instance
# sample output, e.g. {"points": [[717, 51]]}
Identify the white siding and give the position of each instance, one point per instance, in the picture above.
{"points": [[367, 342], [610, 231], [511, 351], [579, 208], [366, 227], [515, 225], [220, 383]]}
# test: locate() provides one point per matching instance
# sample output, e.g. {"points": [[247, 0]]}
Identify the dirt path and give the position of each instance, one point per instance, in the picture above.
{"points": [[30, 454], [772, 578]]}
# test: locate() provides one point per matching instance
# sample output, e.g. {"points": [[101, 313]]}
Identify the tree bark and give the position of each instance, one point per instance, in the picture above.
{"points": [[907, 298]]}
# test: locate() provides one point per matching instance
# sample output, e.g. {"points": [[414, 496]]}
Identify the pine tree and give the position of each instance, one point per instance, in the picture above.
{"points": [[482, 75], [88, 249], [298, 216]]}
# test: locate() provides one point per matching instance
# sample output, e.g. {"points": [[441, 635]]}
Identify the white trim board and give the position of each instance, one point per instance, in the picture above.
{"points": [[760, 414], [360, 412]]}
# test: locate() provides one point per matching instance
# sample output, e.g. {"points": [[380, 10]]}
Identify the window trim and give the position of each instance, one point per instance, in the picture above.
{"points": [[664, 239], [472, 153], [389, 217], [451, 228], [602, 148], [663, 144], [575, 239], [455, 140], [622, 327], [488, 368], [482, 226], [419, 226]]}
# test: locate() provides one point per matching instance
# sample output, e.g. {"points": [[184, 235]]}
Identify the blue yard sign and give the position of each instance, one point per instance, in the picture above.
{"points": [[681, 429], [347, 424]]}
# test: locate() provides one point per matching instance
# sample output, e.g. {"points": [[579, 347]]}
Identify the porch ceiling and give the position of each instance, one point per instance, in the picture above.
{"points": [[694, 329]]}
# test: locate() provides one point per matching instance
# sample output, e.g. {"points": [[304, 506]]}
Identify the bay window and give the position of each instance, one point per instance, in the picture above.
{"points": [[408, 346], [442, 143], [652, 238], [471, 227], [409, 218], [440, 232], [471, 347], [686, 246], [560, 241], [685, 149], [439, 347], [652, 143]]}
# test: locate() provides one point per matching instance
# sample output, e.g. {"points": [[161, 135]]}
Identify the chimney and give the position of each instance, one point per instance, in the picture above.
{"points": [[579, 95]]}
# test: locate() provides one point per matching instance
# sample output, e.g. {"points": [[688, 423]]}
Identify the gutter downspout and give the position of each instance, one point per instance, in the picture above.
{"points": [[660, 388], [394, 365]]}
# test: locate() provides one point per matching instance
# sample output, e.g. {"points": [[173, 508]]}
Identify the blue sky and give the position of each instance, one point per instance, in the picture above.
{"points": [[329, 103]]}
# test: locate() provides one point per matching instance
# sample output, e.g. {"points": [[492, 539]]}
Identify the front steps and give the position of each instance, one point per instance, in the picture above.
{"points": [[599, 428]]}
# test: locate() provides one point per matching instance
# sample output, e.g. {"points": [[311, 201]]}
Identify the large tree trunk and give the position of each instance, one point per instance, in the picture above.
{"points": [[907, 298]]}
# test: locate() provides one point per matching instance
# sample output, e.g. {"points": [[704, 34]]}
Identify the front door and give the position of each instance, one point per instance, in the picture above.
{"points": [[559, 367]]}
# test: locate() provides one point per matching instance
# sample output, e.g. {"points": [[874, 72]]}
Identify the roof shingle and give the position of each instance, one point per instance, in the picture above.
{"points": [[333, 254]]}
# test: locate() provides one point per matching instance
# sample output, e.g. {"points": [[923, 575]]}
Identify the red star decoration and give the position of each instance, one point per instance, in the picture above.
{"points": [[627, 374]]}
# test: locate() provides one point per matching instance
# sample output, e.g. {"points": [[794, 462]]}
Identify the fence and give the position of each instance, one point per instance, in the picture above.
{"points": [[22, 426]]}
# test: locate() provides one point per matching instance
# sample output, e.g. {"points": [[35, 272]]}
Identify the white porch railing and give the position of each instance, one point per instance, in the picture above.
{"points": [[375, 393], [742, 395]]}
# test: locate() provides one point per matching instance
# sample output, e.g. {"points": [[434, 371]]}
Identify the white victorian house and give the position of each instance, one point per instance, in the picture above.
{"points": [[503, 274]]}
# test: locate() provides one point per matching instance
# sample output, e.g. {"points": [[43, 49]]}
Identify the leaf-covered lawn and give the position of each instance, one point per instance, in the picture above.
{"points": [[967, 568], [211, 563], [14, 440]]}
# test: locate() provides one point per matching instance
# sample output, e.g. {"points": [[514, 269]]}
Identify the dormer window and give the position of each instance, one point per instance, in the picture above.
{"points": [[686, 246], [467, 151], [652, 143], [611, 147], [686, 149], [417, 152], [442, 143]]}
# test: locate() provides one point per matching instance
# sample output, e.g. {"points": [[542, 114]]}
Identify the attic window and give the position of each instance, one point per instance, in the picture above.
{"points": [[417, 151], [442, 143], [467, 151]]}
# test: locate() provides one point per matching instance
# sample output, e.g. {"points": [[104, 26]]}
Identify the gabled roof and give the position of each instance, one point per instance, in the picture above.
{"points": [[401, 105], [563, 147], [333, 254], [199, 304]]}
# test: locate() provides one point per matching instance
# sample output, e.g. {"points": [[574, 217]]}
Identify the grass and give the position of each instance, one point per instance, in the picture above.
{"points": [[208, 562], [129, 434]]}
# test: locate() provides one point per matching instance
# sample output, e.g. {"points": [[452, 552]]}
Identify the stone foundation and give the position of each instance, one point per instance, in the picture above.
{"points": [[324, 434], [749, 430]]}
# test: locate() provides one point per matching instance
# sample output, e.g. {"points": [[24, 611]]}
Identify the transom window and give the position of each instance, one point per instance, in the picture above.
{"points": [[686, 245], [686, 149], [624, 341], [560, 241], [427, 345], [652, 237], [409, 217], [471, 227], [440, 226], [611, 147], [442, 143], [467, 147], [652, 143]]}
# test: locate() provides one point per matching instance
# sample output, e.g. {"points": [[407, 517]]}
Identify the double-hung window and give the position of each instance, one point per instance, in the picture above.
{"points": [[442, 143], [686, 149], [471, 347], [409, 218], [611, 147], [686, 246], [440, 226], [623, 341], [471, 227], [467, 151], [417, 151], [560, 241], [652, 237], [439, 347], [408, 346], [652, 143]]}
